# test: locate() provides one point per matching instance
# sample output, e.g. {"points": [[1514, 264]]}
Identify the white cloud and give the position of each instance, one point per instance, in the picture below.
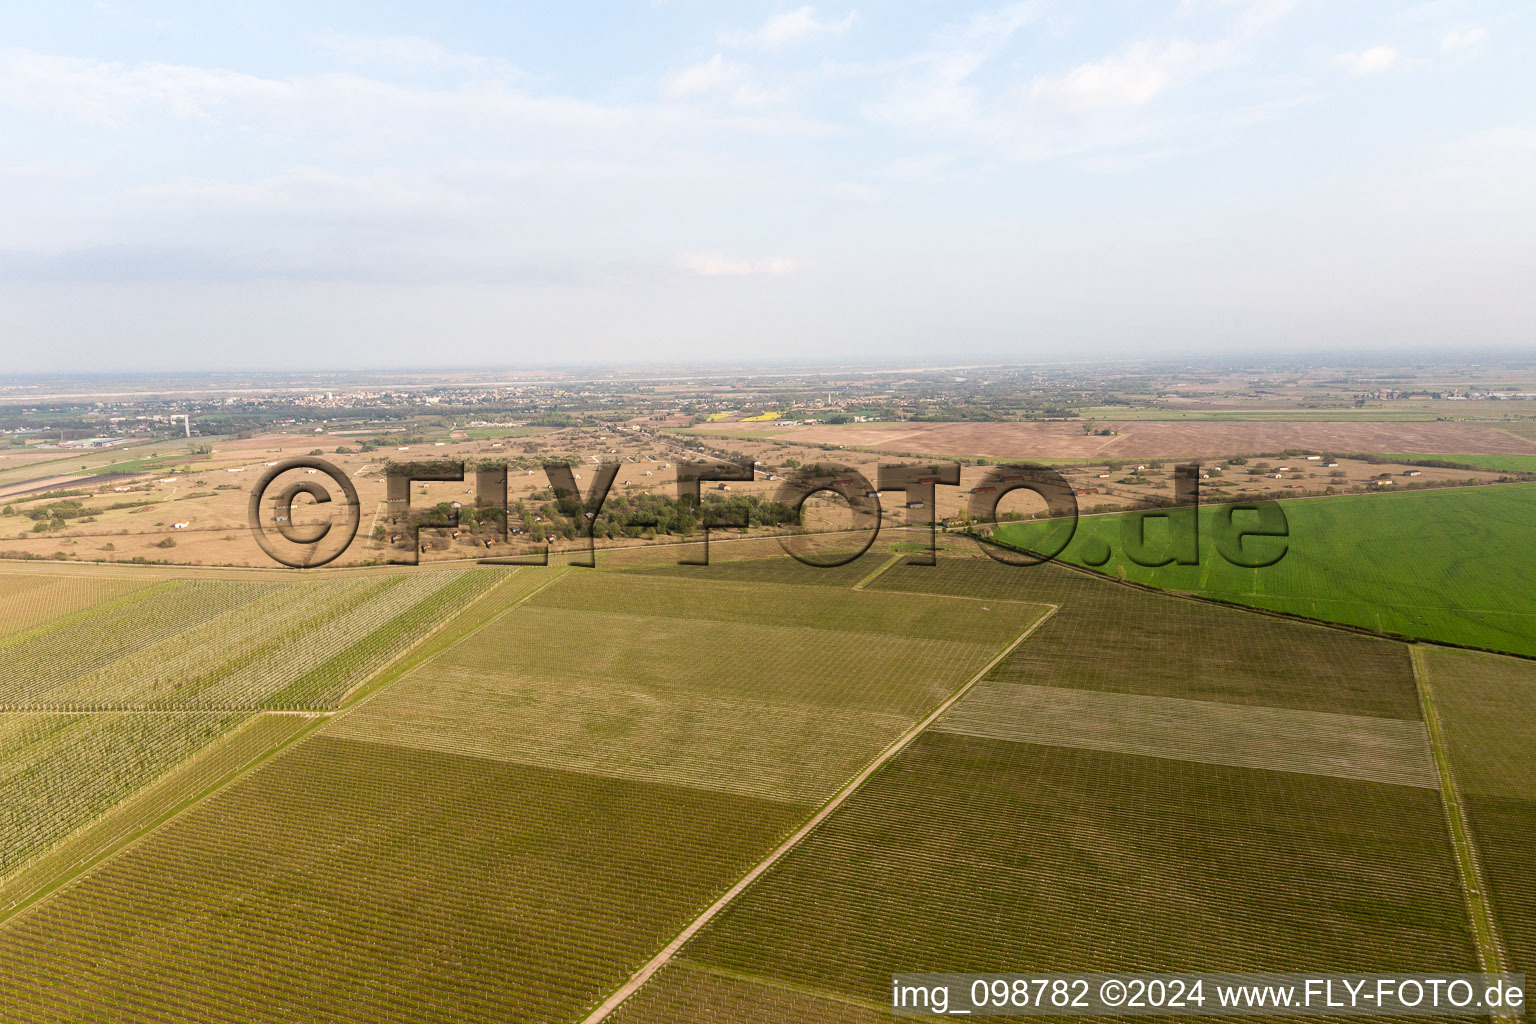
{"points": [[789, 27], [1463, 39], [711, 76], [714, 264], [1129, 78], [1367, 62]]}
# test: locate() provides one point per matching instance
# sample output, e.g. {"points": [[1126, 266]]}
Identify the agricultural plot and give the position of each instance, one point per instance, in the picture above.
{"points": [[59, 771], [685, 991], [358, 881], [776, 568], [132, 816], [965, 852], [515, 825], [32, 599], [1144, 438], [1280, 739], [1121, 640], [229, 644], [1147, 784], [1488, 707], [1500, 463], [1450, 565], [760, 690]]}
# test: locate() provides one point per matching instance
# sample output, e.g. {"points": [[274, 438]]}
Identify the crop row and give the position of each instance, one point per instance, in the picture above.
{"points": [[357, 882], [79, 645], [1488, 707], [139, 810], [57, 772], [31, 600], [1119, 639], [221, 644], [762, 696], [1281, 739], [963, 852]]}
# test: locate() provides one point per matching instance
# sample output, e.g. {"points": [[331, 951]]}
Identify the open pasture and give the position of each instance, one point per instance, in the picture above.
{"points": [[1448, 565]]}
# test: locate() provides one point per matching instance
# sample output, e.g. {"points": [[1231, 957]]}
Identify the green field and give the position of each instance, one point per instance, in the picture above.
{"points": [[1448, 565], [1397, 411], [360, 881], [1497, 463]]}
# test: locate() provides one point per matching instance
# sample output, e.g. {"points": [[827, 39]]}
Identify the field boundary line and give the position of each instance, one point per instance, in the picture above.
{"points": [[1474, 890], [368, 691], [386, 675], [867, 580], [644, 974]]}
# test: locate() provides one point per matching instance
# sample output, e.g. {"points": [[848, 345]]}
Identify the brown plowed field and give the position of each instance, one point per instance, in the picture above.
{"points": [[1142, 439]]}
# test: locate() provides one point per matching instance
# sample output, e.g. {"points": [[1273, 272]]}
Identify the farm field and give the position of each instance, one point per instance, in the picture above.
{"points": [[360, 881], [1503, 463], [32, 599], [202, 643], [1486, 703], [1152, 438], [137, 812], [1107, 860], [1121, 831], [59, 771], [124, 695], [517, 823], [1446, 565], [760, 690], [1119, 639], [1397, 411]]}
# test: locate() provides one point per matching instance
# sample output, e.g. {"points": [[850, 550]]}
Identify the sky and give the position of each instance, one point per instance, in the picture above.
{"points": [[330, 185]]}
